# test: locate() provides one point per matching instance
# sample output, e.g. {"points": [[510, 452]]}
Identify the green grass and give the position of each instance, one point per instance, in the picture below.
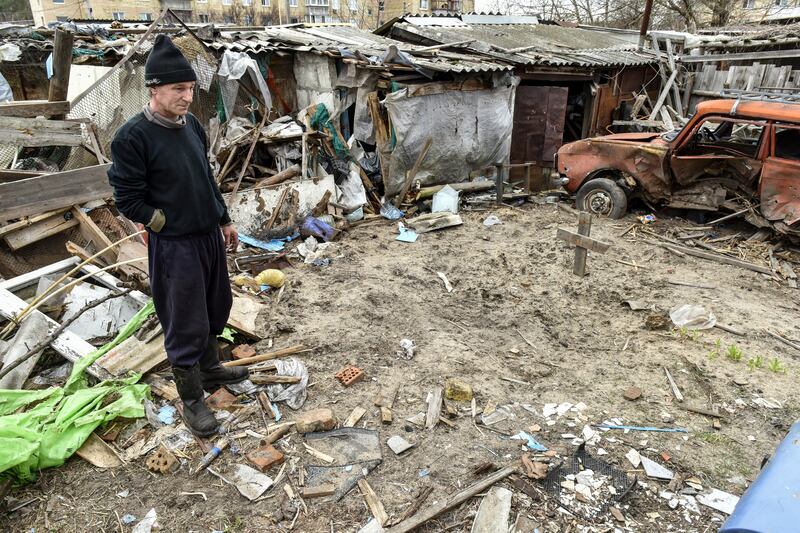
{"points": [[776, 366], [710, 437], [713, 354], [755, 362], [734, 353]]}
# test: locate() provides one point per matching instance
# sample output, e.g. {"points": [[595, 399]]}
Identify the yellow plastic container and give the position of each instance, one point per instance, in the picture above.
{"points": [[272, 277]]}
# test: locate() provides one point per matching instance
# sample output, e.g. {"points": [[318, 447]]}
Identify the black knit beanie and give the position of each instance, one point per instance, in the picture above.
{"points": [[166, 64]]}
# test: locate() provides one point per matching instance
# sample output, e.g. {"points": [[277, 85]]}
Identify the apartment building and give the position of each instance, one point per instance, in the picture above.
{"points": [[367, 14], [760, 11]]}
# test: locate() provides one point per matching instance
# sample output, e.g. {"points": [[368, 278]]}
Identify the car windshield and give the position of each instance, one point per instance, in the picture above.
{"points": [[669, 136]]}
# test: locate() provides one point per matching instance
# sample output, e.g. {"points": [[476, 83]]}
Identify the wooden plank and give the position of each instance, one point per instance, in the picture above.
{"points": [[33, 196], [38, 231], [354, 417], [91, 232], [62, 64], [663, 96], [33, 108], [374, 504], [32, 277], [29, 221], [413, 172], [745, 56], [451, 501], [718, 258], [40, 132]]}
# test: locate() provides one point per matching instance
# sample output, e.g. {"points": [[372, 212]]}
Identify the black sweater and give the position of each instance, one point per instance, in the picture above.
{"points": [[158, 167]]}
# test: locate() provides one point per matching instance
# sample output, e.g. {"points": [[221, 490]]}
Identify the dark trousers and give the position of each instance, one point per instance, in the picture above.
{"points": [[191, 292]]}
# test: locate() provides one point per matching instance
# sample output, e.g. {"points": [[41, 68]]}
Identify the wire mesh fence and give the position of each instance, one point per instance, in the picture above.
{"points": [[118, 96]]}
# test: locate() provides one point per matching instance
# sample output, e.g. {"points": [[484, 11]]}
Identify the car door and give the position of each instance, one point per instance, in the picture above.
{"points": [[722, 154], [780, 178]]}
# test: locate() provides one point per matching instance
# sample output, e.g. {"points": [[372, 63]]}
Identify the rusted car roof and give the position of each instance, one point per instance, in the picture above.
{"points": [[751, 109]]}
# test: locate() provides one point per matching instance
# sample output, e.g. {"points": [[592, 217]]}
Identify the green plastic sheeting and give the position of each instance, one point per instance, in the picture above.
{"points": [[43, 428], [322, 121]]}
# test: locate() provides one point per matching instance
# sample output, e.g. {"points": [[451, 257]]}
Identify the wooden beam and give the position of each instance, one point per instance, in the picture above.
{"points": [[40, 132], [587, 243], [374, 504], [451, 501], [663, 96], [29, 221], [718, 258], [33, 196], [413, 172], [34, 108]]}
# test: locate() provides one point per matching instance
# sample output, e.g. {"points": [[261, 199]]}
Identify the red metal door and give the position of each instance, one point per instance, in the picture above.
{"points": [[780, 177]]}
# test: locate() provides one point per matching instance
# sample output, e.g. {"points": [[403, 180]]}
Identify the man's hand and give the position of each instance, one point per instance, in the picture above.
{"points": [[231, 237]]}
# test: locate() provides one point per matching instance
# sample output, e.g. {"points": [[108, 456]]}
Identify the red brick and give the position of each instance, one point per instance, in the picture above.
{"points": [[242, 351], [349, 375], [315, 420], [221, 399], [265, 457]]}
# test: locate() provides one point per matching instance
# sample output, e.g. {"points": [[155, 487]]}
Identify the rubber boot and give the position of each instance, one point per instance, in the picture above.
{"points": [[213, 373], [198, 417]]}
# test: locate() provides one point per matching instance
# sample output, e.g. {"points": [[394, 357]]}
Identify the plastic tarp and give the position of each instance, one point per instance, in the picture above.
{"points": [[43, 428], [232, 67], [470, 130]]}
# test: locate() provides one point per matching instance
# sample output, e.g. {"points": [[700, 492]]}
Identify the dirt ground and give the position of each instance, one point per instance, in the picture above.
{"points": [[584, 346]]}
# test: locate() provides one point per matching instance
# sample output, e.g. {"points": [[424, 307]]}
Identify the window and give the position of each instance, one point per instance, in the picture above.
{"points": [[118, 15], [264, 3], [725, 136], [248, 20], [145, 16], [203, 18], [58, 1], [353, 5], [293, 3], [227, 2], [423, 4], [202, 1], [782, 3], [787, 143], [335, 5], [748, 4], [62, 19], [247, 2]]}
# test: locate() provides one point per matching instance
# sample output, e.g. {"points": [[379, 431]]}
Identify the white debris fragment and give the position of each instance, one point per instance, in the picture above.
{"points": [[634, 458], [722, 501], [655, 470]]}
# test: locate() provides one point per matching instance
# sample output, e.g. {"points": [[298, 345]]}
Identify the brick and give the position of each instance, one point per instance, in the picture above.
{"points": [[319, 491], [242, 351], [315, 420], [265, 457], [633, 393], [349, 375], [221, 399], [162, 460]]}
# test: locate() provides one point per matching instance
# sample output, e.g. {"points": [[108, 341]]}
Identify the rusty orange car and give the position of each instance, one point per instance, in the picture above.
{"points": [[729, 149]]}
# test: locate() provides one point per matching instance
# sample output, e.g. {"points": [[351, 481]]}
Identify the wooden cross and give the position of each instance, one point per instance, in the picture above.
{"points": [[583, 243]]}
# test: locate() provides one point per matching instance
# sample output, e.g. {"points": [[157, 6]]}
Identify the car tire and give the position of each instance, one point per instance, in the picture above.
{"points": [[602, 197]]}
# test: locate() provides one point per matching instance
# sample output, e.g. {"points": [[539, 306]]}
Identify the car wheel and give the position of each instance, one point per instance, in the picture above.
{"points": [[602, 197]]}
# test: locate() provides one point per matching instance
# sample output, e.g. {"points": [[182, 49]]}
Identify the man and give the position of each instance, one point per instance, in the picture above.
{"points": [[162, 179]]}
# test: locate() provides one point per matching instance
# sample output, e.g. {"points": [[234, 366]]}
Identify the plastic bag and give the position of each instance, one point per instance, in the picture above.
{"points": [[295, 394], [692, 317], [446, 200]]}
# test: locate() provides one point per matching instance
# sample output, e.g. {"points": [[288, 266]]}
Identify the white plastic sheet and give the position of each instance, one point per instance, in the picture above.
{"points": [[470, 130], [294, 395], [692, 317], [233, 66]]}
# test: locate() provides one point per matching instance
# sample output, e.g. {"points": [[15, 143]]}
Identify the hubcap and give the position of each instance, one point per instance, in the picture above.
{"points": [[599, 202]]}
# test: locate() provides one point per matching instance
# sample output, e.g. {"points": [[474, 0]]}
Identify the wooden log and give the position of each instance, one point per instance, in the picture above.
{"points": [[53, 191], [451, 501], [280, 177], [271, 380], [34, 108], [278, 433], [267, 356], [468, 187], [62, 63], [37, 132]]}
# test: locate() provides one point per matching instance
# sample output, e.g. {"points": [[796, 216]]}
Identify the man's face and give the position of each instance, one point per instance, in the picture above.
{"points": [[173, 99]]}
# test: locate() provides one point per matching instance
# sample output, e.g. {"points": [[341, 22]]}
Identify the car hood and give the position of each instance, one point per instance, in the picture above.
{"points": [[632, 137]]}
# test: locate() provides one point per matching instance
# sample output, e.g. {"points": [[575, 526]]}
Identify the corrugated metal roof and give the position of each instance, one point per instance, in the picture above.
{"points": [[349, 39], [538, 44]]}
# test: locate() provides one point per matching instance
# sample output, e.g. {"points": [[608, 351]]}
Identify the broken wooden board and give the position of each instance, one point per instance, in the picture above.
{"points": [[32, 196], [91, 232], [434, 407], [97, 452], [37, 231], [33, 108], [433, 221], [31, 132]]}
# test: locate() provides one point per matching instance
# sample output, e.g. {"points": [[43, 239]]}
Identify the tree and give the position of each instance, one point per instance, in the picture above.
{"points": [[12, 10]]}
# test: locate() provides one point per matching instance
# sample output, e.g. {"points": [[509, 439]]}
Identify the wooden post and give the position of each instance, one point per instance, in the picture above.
{"points": [[62, 62], [584, 228], [499, 179]]}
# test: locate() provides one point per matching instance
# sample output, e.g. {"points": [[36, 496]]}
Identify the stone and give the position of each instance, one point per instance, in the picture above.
{"points": [[632, 393], [618, 516], [265, 457], [321, 419], [458, 390]]}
